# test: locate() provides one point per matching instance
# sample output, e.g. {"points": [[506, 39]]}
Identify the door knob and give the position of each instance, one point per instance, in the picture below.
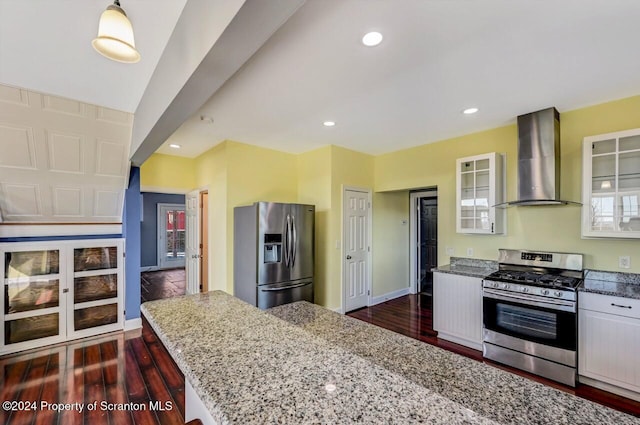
{"points": [[348, 257]]}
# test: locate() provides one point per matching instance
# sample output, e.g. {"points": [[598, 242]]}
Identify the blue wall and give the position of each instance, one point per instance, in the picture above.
{"points": [[149, 225], [131, 231]]}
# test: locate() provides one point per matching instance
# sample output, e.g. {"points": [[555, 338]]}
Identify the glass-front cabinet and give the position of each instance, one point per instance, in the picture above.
{"points": [[55, 291], [479, 188], [611, 185]]}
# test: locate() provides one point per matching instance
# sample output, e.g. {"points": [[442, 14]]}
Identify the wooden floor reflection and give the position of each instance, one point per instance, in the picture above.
{"points": [[95, 379]]}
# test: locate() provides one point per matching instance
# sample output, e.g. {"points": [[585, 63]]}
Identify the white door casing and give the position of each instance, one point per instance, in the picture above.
{"points": [[357, 248], [192, 251]]}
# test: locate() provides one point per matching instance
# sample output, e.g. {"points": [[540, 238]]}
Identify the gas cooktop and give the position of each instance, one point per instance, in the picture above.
{"points": [[546, 279]]}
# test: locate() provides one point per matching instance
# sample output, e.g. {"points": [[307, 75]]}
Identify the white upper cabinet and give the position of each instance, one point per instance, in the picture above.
{"points": [[479, 187], [611, 185]]}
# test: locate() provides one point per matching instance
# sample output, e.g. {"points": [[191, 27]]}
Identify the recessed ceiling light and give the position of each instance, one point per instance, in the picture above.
{"points": [[329, 123], [371, 39], [470, 111], [206, 119], [174, 146]]}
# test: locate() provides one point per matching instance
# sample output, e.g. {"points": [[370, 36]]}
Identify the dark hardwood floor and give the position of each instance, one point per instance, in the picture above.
{"points": [[136, 372], [411, 315]]}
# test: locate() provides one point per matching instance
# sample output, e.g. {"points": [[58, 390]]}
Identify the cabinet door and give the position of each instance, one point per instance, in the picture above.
{"points": [[33, 307], [478, 189], [611, 185], [609, 346], [96, 289], [457, 308]]}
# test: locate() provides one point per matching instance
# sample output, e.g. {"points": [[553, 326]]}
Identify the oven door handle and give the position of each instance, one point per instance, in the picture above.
{"points": [[530, 300]]}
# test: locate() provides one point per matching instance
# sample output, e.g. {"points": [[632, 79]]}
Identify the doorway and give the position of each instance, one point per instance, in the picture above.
{"points": [[424, 239], [204, 241], [171, 236]]}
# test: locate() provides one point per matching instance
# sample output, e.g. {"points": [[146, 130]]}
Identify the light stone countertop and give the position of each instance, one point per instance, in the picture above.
{"points": [[626, 285], [469, 267], [249, 367], [491, 392]]}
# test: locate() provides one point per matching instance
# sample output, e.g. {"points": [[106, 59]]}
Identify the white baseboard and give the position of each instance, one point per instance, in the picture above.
{"points": [[389, 296], [133, 324], [337, 310]]}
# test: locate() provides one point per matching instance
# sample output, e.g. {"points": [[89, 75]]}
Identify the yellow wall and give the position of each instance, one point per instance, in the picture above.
{"points": [[540, 227], [314, 187], [168, 172]]}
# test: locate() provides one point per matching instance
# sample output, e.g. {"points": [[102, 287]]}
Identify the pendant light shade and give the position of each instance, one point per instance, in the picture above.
{"points": [[115, 36]]}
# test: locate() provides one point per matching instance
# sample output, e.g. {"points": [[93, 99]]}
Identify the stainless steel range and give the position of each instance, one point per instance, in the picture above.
{"points": [[530, 312]]}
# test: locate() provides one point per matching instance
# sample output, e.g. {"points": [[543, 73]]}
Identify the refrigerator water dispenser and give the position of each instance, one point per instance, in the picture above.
{"points": [[272, 248]]}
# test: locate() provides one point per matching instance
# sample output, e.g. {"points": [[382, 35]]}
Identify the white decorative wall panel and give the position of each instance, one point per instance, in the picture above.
{"points": [[67, 202], [61, 161], [13, 95], [112, 116], [65, 152], [110, 159], [17, 149], [20, 200], [108, 203], [65, 106]]}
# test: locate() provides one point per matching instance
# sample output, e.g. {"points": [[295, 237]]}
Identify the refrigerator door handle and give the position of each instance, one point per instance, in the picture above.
{"points": [[295, 241], [286, 242], [284, 288]]}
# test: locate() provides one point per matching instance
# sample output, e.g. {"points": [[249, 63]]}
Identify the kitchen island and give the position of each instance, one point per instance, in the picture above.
{"points": [[300, 363]]}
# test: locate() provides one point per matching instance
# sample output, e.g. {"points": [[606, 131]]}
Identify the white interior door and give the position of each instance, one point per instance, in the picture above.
{"points": [[192, 243], [356, 227], [171, 235]]}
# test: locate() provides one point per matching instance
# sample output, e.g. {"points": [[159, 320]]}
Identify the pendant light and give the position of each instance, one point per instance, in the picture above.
{"points": [[115, 36]]}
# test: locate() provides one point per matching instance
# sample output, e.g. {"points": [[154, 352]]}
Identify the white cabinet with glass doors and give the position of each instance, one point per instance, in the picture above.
{"points": [[62, 290], [479, 187], [611, 185]]}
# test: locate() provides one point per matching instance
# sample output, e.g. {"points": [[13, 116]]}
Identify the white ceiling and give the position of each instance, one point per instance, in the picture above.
{"points": [[438, 57], [45, 46]]}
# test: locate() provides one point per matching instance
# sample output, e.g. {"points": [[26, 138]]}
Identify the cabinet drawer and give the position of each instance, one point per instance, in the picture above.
{"points": [[627, 307]]}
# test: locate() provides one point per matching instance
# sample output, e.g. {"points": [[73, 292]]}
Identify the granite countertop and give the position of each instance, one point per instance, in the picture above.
{"points": [[625, 285], [469, 267], [490, 392], [249, 367]]}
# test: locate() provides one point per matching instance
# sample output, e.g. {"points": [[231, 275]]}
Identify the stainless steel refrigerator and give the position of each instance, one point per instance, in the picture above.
{"points": [[273, 253]]}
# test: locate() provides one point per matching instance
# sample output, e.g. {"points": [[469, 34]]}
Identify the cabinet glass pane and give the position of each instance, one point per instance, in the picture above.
{"points": [[482, 164], [602, 208], [603, 146], [95, 316], [467, 166], [27, 296], [629, 143], [467, 223], [29, 328], [85, 259], [91, 288], [31, 263], [629, 171], [629, 212], [603, 170]]}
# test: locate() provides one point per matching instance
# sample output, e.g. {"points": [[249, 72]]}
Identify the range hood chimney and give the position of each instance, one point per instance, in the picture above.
{"points": [[539, 159]]}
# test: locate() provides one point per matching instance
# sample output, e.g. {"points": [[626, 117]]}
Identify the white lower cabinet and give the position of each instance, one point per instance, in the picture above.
{"points": [[609, 343], [457, 309]]}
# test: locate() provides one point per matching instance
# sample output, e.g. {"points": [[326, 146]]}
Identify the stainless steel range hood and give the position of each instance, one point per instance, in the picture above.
{"points": [[539, 159]]}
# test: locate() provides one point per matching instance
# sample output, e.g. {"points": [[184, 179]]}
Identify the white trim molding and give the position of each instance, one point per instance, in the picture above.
{"points": [[389, 296], [413, 234], [133, 324], [44, 230], [168, 190]]}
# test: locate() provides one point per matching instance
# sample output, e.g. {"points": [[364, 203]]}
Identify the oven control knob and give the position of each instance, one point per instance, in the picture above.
{"points": [[506, 286], [495, 284], [557, 294], [525, 289], [544, 292]]}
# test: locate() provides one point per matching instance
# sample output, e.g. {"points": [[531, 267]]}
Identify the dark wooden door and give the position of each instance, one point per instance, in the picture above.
{"points": [[428, 242]]}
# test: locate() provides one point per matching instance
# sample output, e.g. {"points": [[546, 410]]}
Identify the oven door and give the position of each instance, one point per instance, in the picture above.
{"points": [[525, 317]]}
